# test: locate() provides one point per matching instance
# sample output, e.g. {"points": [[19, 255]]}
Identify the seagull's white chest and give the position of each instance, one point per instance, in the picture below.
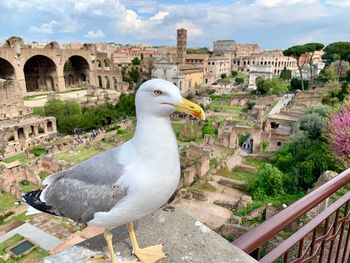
{"points": [[150, 179]]}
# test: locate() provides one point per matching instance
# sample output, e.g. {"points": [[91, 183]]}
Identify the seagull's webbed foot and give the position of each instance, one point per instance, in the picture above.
{"points": [[150, 254], [146, 255], [102, 258]]}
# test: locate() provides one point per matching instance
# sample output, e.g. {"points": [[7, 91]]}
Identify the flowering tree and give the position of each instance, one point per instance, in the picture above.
{"points": [[339, 135]]}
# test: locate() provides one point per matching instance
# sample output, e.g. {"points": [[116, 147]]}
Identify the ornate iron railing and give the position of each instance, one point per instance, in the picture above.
{"points": [[326, 238]]}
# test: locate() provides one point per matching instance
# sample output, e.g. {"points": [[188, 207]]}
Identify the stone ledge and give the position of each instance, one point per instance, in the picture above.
{"points": [[184, 238]]}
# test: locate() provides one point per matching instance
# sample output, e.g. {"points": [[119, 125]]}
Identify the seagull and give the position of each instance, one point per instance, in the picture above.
{"points": [[128, 182]]}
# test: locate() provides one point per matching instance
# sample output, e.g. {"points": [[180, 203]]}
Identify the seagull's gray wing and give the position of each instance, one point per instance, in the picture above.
{"points": [[87, 188]]}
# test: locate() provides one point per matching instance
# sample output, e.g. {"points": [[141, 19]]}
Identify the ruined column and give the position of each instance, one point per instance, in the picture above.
{"points": [[26, 132], [15, 136], [45, 127], [36, 130]]}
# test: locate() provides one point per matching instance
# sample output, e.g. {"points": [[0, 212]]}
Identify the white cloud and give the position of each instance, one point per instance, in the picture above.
{"points": [[46, 28], [97, 34], [66, 26], [342, 3], [159, 16]]}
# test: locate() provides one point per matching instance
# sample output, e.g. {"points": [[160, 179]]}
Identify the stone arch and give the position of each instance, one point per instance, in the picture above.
{"points": [[258, 78], [20, 133], [99, 64], [106, 64], [7, 71], [77, 67], [99, 81], [40, 73], [49, 126], [108, 85]]}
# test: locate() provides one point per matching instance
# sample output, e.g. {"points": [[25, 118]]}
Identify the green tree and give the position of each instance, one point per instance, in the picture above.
{"points": [[223, 76], [234, 74], [286, 74], [269, 183], [338, 51], [295, 84], [271, 86], [201, 50], [136, 61], [134, 74], [239, 80], [311, 49], [327, 74], [297, 52], [126, 106], [209, 128]]}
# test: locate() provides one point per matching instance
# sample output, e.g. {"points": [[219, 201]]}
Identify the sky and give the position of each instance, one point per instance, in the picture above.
{"points": [[270, 23]]}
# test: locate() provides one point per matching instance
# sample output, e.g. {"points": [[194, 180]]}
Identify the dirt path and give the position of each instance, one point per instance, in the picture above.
{"points": [[206, 211]]}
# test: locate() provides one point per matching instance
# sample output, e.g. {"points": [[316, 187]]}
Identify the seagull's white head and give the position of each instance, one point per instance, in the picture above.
{"points": [[161, 98]]}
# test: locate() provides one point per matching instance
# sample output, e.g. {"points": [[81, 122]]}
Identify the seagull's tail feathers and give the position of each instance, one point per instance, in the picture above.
{"points": [[33, 199]]}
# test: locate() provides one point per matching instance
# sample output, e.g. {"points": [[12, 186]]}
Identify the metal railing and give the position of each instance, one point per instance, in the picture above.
{"points": [[325, 238]]}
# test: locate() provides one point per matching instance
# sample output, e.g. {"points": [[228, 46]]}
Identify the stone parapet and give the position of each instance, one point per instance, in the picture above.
{"points": [[184, 239]]}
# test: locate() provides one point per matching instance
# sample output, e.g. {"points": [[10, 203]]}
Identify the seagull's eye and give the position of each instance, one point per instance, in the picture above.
{"points": [[157, 92]]}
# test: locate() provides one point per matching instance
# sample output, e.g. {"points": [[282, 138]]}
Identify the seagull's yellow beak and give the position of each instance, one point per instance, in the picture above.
{"points": [[190, 108]]}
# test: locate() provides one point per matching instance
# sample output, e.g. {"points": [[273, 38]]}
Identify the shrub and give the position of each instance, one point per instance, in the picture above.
{"points": [[265, 145], [239, 80], [38, 150], [269, 183], [209, 128], [338, 130]]}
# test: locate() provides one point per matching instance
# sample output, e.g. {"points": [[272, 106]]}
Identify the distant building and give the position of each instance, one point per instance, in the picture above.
{"points": [[181, 45], [274, 58], [215, 67], [185, 77], [126, 55], [220, 47]]}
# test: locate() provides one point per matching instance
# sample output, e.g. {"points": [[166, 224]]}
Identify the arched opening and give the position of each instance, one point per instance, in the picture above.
{"points": [[20, 133], [99, 78], [274, 125], [40, 74], [76, 70], [245, 142], [7, 71], [99, 65], [106, 64], [41, 129], [108, 85], [70, 80], [49, 126], [258, 79]]}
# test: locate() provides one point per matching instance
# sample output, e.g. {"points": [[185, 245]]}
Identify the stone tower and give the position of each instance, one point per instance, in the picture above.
{"points": [[181, 45]]}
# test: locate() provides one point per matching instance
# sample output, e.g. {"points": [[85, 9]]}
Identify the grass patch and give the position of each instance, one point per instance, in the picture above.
{"points": [[9, 242], [44, 174], [82, 153], [255, 162], [250, 208], [237, 175], [21, 217], [36, 255], [213, 163], [21, 157], [27, 186], [7, 200]]}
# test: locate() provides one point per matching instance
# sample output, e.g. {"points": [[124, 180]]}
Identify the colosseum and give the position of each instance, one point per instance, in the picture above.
{"points": [[55, 68], [27, 69]]}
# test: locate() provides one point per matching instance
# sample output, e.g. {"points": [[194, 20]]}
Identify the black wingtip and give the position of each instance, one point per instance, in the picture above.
{"points": [[33, 199]]}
